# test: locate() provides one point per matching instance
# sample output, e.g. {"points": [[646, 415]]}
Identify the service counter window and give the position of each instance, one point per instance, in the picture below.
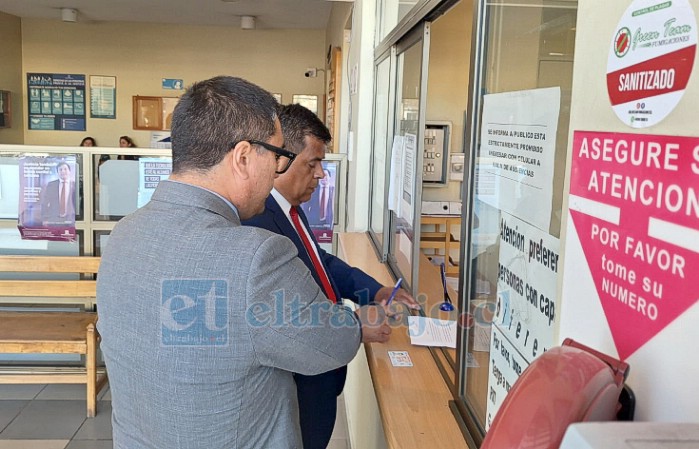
{"points": [[100, 239], [104, 188], [115, 187], [405, 192], [11, 181], [519, 128], [380, 156], [11, 243], [123, 183]]}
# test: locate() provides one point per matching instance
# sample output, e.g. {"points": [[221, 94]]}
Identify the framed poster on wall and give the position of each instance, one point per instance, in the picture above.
{"points": [[56, 102], [307, 101], [102, 96], [153, 113]]}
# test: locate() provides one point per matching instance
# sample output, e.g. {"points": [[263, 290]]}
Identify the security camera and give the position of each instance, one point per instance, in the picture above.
{"points": [[311, 73]]}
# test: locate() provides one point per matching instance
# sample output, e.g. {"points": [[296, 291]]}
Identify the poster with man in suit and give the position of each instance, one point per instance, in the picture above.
{"points": [[320, 209], [47, 198]]}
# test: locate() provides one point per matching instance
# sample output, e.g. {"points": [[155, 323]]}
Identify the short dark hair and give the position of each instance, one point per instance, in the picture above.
{"points": [[215, 113], [61, 164], [299, 122], [94, 143]]}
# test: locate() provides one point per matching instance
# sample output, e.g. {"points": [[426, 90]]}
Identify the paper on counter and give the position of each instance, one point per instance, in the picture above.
{"points": [[400, 358], [432, 332]]}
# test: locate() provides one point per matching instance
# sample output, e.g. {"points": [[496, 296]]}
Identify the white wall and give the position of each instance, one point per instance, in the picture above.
{"points": [[663, 371], [360, 104], [140, 55]]}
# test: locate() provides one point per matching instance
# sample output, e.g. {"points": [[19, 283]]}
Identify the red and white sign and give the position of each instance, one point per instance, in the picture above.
{"points": [[650, 60], [634, 202]]}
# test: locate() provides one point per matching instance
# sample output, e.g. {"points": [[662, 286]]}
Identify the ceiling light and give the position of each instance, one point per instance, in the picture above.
{"points": [[247, 22], [69, 15]]}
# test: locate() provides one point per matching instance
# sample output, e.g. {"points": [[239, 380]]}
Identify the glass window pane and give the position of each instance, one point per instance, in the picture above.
{"points": [[529, 44], [380, 145], [406, 130], [10, 184], [389, 14], [11, 243], [116, 187]]}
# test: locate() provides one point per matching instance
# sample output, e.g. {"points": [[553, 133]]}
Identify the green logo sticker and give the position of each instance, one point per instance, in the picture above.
{"points": [[622, 42]]}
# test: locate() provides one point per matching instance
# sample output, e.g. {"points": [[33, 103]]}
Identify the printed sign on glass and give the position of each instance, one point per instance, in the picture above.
{"points": [[650, 60], [48, 197]]}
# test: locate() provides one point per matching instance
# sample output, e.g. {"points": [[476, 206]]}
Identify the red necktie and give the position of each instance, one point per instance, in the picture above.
{"points": [[322, 275], [62, 199]]}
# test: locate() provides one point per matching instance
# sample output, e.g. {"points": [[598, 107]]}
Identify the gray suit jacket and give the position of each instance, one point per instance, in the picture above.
{"points": [[202, 322]]}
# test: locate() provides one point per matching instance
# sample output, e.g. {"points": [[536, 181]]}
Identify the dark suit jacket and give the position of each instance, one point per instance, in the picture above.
{"points": [[50, 204], [348, 282], [316, 394]]}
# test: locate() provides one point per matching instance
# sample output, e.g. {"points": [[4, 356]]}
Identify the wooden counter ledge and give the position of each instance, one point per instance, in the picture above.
{"points": [[413, 401]]}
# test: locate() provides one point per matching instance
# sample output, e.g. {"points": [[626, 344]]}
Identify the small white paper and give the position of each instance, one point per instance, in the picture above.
{"points": [[481, 339], [432, 332], [400, 358]]}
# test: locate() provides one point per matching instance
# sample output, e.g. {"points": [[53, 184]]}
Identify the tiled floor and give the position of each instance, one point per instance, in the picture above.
{"points": [[53, 417]]}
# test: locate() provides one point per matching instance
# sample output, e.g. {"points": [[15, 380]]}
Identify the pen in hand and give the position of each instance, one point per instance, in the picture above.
{"points": [[393, 293]]}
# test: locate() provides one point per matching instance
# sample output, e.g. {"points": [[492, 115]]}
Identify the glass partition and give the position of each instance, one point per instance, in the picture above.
{"points": [[389, 14], [524, 47], [115, 187], [11, 243], [108, 186], [10, 182], [100, 239], [380, 147], [406, 163]]}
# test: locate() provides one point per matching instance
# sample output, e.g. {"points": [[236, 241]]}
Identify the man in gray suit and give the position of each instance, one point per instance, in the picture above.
{"points": [[202, 319]]}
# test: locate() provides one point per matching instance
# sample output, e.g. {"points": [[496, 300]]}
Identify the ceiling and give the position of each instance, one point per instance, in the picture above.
{"points": [[269, 14]]}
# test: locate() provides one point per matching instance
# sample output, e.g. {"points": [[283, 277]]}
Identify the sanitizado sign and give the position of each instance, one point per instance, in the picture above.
{"points": [[650, 60], [634, 202]]}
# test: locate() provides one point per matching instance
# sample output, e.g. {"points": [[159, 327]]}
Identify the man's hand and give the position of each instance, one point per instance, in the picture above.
{"points": [[402, 296], [374, 326]]}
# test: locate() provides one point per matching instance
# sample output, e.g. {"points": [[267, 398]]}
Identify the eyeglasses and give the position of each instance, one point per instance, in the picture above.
{"points": [[279, 153]]}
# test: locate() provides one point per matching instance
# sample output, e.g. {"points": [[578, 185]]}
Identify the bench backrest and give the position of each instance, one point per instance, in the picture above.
{"points": [[45, 291]]}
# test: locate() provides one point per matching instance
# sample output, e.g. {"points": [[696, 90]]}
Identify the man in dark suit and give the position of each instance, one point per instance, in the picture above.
{"points": [[307, 136], [58, 199]]}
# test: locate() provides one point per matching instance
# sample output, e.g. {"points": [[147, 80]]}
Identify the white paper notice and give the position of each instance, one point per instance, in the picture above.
{"points": [[395, 186], [518, 146], [506, 365], [526, 307], [432, 332], [409, 153]]}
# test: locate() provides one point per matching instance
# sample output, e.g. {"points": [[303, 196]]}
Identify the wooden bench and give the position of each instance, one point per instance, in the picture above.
{"points": [[51, 332]]}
